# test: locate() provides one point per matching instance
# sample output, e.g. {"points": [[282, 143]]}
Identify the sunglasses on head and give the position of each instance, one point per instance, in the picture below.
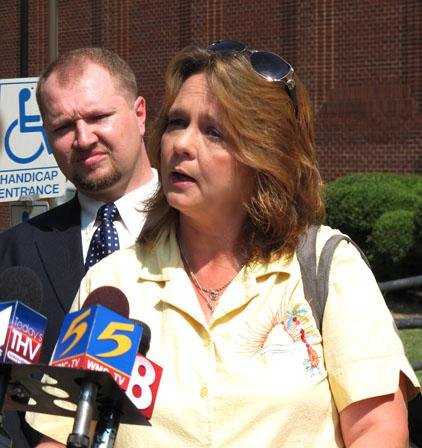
{"points": [[268, 65]]}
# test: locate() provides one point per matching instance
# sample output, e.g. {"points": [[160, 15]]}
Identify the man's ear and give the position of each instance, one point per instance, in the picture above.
{"points": [[141, 112]]}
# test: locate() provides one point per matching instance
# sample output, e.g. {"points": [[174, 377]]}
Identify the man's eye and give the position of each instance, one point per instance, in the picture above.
{"points": [[96, 118], [62, 128]]}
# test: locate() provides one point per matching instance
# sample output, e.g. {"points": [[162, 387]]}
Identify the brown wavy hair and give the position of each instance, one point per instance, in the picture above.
{"points": [[267, 135]]}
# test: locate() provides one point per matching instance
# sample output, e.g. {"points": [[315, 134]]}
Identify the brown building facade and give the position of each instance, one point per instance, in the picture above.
{"points": [[361, 61]]}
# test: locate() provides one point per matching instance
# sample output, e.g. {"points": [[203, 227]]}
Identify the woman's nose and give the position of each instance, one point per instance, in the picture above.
{"points": [[185, 141]]}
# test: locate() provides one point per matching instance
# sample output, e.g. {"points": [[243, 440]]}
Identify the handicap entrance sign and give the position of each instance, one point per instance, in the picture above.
{"points": [[28, 170]]}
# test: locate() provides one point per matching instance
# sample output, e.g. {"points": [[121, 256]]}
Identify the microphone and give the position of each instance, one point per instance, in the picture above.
{"points": [[21, 327], [145, 339], [142, 391], [109, 421], [111, 297], [97, 337]]}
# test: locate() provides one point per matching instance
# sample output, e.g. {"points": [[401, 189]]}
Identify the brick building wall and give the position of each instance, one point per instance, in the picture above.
{"points": [[361, 61]]}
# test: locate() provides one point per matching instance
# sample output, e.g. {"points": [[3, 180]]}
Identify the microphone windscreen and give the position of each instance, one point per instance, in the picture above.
{"points": [[111, 297], [22, 284], [145, 338]]}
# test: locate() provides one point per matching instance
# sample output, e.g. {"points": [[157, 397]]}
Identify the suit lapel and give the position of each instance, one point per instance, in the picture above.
{"points": [[60, 250]]}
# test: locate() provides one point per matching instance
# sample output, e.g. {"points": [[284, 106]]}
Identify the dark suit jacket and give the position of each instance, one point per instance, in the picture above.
{"points": [[50, 244]]}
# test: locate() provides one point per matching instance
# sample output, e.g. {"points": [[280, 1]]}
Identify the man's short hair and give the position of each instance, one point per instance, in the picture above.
{"points": [[70, 66]]}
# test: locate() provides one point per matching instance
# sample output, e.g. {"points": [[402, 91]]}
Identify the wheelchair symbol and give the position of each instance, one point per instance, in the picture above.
{"points": [[23, 121]]}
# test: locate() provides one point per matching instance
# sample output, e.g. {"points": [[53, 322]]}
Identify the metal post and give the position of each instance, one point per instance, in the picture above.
{"points": [[52, 30], [23, 13], [53, 52]]}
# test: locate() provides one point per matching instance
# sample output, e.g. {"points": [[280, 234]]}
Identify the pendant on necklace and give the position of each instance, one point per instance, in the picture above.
{"points": [[213, 295]]}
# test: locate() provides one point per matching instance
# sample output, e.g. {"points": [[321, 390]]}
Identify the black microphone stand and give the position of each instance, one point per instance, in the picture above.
{"points": [[92, 391], [106, 429]]}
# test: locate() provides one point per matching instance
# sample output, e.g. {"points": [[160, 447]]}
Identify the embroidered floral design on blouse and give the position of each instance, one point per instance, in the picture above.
{"points": [[279, 331], [297, 324]]}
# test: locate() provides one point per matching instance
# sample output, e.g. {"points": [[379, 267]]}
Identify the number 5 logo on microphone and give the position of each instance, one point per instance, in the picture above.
{"points": [[96, 338], [77, 329]]}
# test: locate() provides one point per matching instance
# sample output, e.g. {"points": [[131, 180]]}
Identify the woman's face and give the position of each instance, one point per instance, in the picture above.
{"points": [[200, 176]]}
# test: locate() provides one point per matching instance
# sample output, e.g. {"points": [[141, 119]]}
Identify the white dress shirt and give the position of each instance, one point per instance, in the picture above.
{"points": [[132, 216]]}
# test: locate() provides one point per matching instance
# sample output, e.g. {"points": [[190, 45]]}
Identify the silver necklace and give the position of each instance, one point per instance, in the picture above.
{"points": [[213, 294]]}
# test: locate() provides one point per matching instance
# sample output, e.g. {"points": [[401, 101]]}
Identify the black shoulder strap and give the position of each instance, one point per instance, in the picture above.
{"points": [[315, 278]]}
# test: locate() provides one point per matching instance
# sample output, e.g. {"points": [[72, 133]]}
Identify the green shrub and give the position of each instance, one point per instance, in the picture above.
{"points": [[392, 242], [382, 212]]}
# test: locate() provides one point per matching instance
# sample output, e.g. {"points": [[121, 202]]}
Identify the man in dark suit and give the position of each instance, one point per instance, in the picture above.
{"points": [[95, 123]]}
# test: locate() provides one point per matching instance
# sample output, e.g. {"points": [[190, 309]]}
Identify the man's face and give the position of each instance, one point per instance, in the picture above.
{"points": [[95, 133]]}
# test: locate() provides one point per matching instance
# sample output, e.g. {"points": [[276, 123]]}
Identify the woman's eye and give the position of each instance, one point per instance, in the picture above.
{"points": [[175, 123], [215, 133]]}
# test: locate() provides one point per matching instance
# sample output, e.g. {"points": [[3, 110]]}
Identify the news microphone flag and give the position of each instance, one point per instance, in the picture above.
{"points": [[145, 377], [143, 384], [21, 333], [96, 338]]}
